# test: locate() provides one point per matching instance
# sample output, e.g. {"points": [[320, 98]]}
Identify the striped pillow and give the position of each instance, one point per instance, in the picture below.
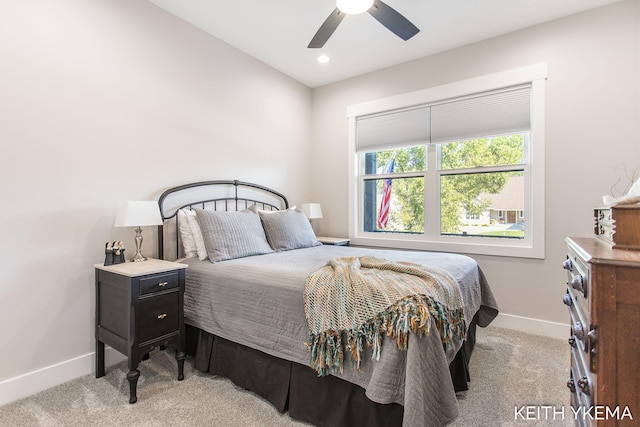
{"points": [[288, 229], [229, 235]]}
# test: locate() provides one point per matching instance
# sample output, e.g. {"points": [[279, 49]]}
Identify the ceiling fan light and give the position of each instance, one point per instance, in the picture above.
{"points": [[354, 7]]}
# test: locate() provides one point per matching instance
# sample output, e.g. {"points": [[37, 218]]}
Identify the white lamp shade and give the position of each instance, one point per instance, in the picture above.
{"points": [[312, 210], [354, 7], [138, 214]]}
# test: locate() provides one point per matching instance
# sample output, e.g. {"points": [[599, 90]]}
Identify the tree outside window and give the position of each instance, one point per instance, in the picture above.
{"points": [[471, 175]]}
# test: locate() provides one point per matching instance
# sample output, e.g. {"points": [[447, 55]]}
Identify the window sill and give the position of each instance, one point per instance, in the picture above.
{"points": [[462, 245]]}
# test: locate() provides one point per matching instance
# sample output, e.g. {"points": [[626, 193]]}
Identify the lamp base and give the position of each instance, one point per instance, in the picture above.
{"points": [[138, 257]]}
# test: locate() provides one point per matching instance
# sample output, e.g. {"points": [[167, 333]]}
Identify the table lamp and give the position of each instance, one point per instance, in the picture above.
{"points": [[138, 214], [312, 211]]}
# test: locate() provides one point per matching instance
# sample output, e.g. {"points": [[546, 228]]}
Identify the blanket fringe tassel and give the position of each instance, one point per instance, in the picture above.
{"points": [[409, 315]]}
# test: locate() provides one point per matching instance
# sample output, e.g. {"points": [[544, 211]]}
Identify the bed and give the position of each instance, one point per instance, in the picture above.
{"points": [[246, 321]]}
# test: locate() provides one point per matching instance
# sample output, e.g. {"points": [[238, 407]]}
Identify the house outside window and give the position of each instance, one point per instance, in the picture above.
{"points": [[459, 174]]}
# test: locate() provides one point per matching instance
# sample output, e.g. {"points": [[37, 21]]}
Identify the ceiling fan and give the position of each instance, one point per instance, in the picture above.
{"points": [[385, 14]]}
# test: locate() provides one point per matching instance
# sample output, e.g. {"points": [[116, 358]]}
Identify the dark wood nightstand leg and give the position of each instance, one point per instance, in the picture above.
{"points": [[133, 376], [180, 356], [99, 359]]}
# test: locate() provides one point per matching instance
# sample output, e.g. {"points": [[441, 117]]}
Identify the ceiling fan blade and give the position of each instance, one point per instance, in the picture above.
{"points": [[326, 29], [393, 20]]}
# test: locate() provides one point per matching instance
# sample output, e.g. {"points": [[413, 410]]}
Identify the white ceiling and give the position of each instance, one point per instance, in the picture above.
{"points": [[277, 32]]}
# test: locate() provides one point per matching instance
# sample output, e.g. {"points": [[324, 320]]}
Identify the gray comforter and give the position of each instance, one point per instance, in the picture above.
{"points": [[258, 302]]}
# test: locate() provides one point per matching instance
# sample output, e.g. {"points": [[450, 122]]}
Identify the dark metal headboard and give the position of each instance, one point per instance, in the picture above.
{"points": [[211, 195]]}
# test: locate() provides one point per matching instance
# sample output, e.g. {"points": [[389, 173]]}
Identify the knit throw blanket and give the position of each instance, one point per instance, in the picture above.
{"points": [[360, 299]]}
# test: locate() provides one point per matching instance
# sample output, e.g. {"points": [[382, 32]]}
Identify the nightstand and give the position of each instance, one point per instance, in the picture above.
{"points": [[336, 241], [139, 307]]}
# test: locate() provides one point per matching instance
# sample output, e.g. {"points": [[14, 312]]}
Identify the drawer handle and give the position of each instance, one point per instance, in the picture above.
{"points": [[571, 385], [583, 383], [161, 284], [577, 283], [567, 264], [578, 331], [567, 300], [572, 341], [162, 316]]}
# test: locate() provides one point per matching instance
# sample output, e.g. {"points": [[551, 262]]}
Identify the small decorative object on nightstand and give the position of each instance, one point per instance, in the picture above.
{"points": [[336, 241], [139, 307]]}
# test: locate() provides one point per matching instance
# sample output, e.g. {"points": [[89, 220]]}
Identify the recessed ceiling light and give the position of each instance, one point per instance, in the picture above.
{"points": [[323, 59]]}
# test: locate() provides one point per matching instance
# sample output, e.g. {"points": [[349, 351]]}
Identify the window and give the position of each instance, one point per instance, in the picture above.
{"points": [[462, 173]]}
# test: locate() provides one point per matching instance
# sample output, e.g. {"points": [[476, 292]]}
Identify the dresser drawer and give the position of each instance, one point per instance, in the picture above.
{"points": [[579, 325], [580, 402], [584, 380], [158, 316], [159, 282], [578, 282]]}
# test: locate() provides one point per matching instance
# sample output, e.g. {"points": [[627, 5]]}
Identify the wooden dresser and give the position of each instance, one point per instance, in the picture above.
{"points": [[603, 298]]}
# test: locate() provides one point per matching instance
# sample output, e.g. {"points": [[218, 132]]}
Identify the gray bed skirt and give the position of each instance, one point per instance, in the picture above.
{"points": [[290, 386]]}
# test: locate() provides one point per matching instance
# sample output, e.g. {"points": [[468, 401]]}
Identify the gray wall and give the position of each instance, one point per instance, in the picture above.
{"points": [[592, 134], [104, 101]]}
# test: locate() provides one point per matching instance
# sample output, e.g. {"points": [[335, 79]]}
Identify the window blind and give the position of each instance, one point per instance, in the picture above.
{"points": [[393, 129], [488, 114], [497, 113]]}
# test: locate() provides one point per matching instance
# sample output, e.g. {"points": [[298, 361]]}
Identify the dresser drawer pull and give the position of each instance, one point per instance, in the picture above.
{"points": [[572, 340], [577, 283], [571, 385], [567, 300], [567, 265], [162, 284], [162, 316], [583, 383], [578, 331]]}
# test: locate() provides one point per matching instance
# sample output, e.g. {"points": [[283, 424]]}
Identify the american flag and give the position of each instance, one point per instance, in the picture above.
{"points": [[383, 213]]}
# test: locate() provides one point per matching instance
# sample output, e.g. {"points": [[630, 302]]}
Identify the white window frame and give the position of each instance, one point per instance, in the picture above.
{"points": [[533, 245]]}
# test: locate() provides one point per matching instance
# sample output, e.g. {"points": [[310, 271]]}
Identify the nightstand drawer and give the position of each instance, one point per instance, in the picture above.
{"points": [[158, 316], [159, 282]]}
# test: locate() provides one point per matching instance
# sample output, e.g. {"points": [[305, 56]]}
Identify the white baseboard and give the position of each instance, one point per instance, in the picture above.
{"points": [[27, 384], [532, 326]]}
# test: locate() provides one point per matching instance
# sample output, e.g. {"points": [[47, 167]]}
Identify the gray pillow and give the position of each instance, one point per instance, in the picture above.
{"points": [[288, 229], [229, 235]]}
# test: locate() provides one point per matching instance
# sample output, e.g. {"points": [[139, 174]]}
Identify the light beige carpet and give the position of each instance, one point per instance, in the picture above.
{"points": [[508, 370], [511, 369]]}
